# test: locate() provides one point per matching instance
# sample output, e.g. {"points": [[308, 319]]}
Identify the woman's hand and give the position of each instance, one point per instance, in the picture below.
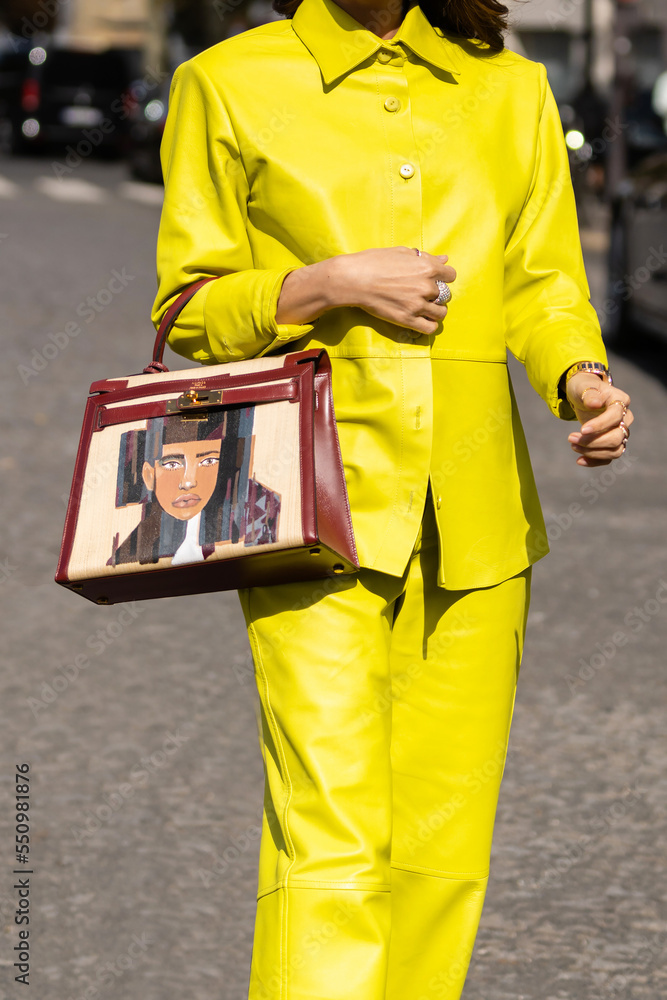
{"points": [[395, 284], [602, 410], [392, 283]]}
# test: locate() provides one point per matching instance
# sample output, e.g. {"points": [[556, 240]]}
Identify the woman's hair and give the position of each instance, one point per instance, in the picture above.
{"points": [[483, 19]]}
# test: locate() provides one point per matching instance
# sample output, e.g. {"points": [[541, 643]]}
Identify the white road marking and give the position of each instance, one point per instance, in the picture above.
{"points": [[8, 189], [70, 189], [148, 194]]}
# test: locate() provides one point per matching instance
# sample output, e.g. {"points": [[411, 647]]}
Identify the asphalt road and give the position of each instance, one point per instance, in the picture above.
{"points": [[139, 728]]}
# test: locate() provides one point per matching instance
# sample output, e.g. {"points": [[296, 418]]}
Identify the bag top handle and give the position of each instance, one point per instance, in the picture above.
{"points": [[167, 323]]}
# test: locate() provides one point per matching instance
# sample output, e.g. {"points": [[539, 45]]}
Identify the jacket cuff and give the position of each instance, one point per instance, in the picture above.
{"points": [[281, 333], [239, 314], [552, 355]]}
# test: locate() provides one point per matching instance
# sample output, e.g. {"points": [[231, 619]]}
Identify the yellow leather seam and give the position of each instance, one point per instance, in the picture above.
{"points": [[296, 883], [414, 353], [400, 463], [441, 355], [436, 873], [283, 762]]}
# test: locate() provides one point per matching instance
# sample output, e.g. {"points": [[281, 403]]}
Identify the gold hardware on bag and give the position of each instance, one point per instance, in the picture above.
{"points": [[102, 600], [314, 552], [338, 568], [192, 399]]}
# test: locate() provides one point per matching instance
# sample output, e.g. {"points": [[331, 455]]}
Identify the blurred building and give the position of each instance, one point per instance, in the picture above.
{"points": [[96, 25], [577, 39], [574, 38], [604, 59]]}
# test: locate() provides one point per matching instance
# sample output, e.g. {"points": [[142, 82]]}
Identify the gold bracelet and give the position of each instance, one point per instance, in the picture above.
{"points": [[594, 367]]}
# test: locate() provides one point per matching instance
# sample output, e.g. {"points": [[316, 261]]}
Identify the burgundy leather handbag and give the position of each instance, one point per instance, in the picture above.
{"points": [[213, 478]]}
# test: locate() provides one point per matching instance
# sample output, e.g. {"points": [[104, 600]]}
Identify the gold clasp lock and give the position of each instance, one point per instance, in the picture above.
{"points": [[193, 399]]}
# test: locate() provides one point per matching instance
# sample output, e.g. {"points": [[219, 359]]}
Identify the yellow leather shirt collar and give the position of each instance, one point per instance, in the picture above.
{"points": [[339, 43]]}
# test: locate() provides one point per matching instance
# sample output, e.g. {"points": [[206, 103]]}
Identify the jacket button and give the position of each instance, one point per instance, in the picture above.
{"points": [[438, 502], [407, 170], [384, 56], [392, 104]]}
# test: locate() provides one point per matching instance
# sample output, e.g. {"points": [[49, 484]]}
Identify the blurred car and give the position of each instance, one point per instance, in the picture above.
{"points": [[149, 109], [55, 96], [146, 125], [637, 289], [13, 62]]}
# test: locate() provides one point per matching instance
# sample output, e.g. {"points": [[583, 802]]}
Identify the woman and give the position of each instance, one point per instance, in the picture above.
{"points": [[331, 169]]}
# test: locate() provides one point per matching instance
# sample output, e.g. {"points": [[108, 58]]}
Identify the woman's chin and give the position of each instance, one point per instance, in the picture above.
{"points": [[185, 513]]}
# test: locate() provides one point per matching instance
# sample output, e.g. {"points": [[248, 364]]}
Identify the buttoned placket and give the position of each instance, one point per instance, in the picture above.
{"points": [[404, 228]]}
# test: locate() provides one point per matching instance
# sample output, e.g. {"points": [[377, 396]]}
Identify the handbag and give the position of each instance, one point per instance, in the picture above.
{"points": [[214, 478]]}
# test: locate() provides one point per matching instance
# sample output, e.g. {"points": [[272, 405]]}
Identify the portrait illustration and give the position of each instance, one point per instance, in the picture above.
{"points": [[191, 475]]}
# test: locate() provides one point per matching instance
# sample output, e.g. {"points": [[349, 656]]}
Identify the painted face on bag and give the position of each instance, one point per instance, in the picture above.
{"points": [[184, 477]]}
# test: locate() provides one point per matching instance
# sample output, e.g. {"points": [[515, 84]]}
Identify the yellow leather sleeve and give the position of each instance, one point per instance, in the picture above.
{"points": [[549, 321], [203, 232]]}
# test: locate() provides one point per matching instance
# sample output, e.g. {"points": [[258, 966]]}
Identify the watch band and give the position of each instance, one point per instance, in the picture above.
{"points": [[594, 367]]}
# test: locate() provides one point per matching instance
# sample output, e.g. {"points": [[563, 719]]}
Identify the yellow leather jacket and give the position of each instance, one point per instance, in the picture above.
{"points": [[311, 137]]}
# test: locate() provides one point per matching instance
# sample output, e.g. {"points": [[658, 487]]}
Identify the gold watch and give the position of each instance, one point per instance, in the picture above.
{"points": [[594, 367]]}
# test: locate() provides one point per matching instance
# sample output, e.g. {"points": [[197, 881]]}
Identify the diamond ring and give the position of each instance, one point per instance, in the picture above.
{"points": [[444, 293]]}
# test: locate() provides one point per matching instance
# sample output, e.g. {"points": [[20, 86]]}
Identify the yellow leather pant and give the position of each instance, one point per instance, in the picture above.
{"points": [[385, 708]]}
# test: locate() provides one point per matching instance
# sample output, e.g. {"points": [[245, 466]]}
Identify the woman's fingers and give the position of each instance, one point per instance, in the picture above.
{"points": [[609, 417], [446, 273], [591, 463], [399, 285], [579, 437], [604, 431], [419, 325], [604, 449], [437, 266], [603, 446], [442, 270], [595, 429], [431, 311]]}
